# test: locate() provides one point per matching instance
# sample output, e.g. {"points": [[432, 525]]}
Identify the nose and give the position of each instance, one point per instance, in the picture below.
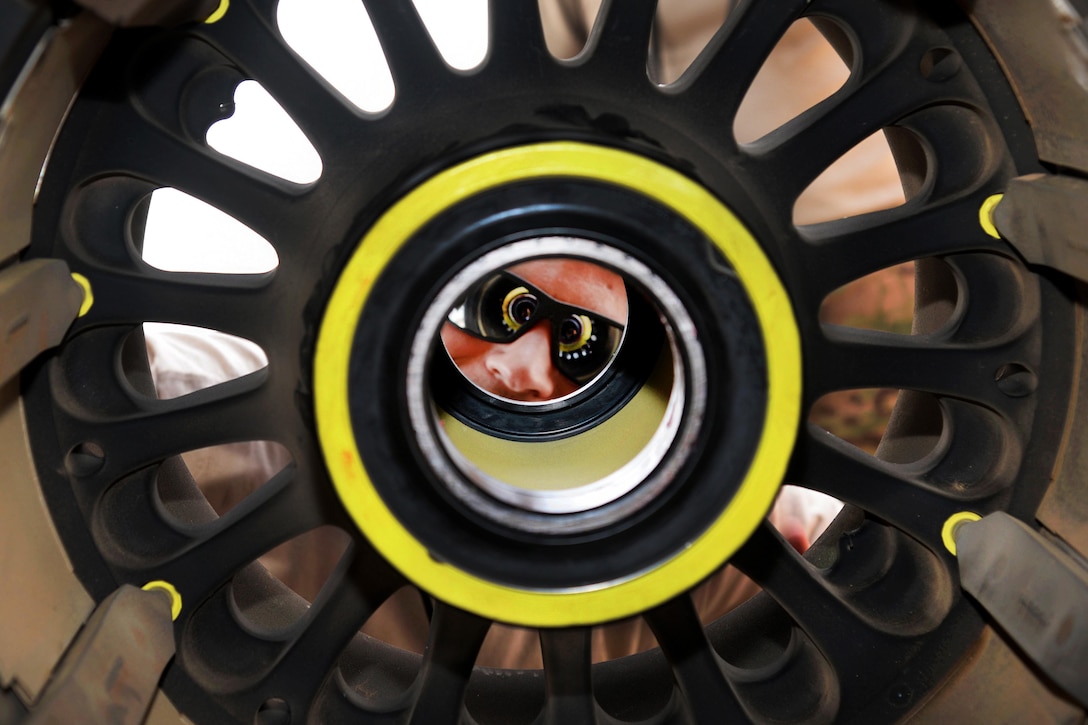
{"points": [[524, 366]]}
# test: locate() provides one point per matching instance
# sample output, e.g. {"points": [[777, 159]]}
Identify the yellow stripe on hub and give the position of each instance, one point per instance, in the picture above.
{"points": [[607, 600]]}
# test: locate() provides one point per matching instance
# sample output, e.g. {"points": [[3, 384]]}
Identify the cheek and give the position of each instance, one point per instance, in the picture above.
{"points": [[563, 384], [461, 346]]}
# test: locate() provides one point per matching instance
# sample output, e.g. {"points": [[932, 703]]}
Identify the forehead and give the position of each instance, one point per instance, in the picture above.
{"points": [[578, 282]]}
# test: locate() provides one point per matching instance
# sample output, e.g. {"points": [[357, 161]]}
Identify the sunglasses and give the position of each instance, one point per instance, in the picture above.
{"points": [[502, 307]]}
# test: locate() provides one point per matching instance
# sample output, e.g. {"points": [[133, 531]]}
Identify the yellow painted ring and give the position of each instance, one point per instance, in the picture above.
{"points": [[88, 293], [986, 215], [175, 596], [603, 601], [218, 13], [948, 531]]}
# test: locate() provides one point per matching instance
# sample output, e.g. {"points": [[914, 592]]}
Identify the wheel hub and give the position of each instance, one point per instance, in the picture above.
{"points": [[531, 547]]}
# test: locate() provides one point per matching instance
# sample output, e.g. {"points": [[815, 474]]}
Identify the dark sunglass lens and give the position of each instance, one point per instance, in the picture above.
{"points": [[522, 308], [570, 331]]}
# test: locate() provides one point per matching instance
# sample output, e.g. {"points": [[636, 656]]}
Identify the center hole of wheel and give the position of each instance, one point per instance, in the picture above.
{"points": [[556, 376]]}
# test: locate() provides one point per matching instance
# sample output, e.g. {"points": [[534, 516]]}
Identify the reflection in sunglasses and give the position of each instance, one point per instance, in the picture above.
{"points": [[503, 307]]}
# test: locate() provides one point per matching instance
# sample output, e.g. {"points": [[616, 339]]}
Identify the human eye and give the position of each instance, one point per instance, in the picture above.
{"points": [[518, 308]]}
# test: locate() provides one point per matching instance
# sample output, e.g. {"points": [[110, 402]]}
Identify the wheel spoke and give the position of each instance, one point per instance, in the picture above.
{"points": [[719, 78], [773, 564], [233, 659], [516, 37], [251, 39], [414, 61], [568, 681], [455, 640], [285, 507], [825, 463], [292, 664], [234, 304], [355, 590], [265, 203], [238, 410], [850, 358], [794, 154], [848, 249], [696, 667], [620, 40]]}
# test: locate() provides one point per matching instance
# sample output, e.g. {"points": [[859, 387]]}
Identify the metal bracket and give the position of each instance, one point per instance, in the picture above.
{"points": [[38, 301], [31, 113], [1046, 218], [112, 671], [1036, 589]]}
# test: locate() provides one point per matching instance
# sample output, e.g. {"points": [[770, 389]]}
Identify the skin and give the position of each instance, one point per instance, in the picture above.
{"points": [[522, 370]]}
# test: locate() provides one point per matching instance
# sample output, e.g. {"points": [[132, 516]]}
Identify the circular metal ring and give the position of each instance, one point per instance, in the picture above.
{"points": [[676, 431]]}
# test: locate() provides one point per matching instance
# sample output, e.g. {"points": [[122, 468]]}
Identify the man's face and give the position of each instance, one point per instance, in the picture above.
{"points": [[524, 368]]}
